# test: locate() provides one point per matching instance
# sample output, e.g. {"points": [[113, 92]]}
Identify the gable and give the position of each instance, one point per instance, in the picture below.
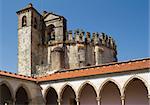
{"points": [[51, 16]]}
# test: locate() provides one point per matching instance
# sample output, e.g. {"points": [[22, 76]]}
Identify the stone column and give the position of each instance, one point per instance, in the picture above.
{"points": [[98, 100], [14, 101], [78, 101], [122, 100], [149, 99], [59, 101]]}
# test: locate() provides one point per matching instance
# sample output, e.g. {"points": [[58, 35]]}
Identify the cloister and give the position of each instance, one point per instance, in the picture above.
{"points": [[123, 88], [134, 92], [109, 92]]}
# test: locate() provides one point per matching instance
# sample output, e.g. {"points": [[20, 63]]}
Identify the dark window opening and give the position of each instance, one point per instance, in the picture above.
{"points": [[35, 23], [24, 21], [88, 64], [51, 32]]}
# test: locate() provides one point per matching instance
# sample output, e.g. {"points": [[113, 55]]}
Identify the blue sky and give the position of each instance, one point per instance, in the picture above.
{"points": [[125, 20]]}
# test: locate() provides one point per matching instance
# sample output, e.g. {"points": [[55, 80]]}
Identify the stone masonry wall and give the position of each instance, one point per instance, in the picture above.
{"points": [[44, 45], [24, 45]]}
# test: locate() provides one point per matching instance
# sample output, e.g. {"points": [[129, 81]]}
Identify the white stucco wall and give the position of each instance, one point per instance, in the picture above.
{"points": [[120, 79], [100, 90]]}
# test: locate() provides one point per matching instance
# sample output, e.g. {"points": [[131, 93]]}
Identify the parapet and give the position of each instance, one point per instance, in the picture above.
{"points": [[100, 39]]}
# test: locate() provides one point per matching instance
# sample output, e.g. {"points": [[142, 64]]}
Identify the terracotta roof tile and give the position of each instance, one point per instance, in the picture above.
{"points": [[14, 75], [101, 69], [87, 71]]}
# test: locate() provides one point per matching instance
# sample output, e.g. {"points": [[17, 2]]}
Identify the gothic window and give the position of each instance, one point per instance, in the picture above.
{"points": [[24, 21], [35, 23], [51, 32]]}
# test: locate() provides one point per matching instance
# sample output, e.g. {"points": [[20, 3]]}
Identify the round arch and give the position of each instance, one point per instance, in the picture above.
{"points": [[47, 89], [51, 26], [50, 96], [136, 91], [64, 87], [109, 93], [9, 86], [6, 93], [87, 94], [68, 94], [26, 89], [131, 79], [106, 82], [22, 96], [50, 29], [83, 85]]}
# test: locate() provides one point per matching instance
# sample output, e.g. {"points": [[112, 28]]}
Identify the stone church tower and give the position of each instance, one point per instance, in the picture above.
{"points": [[45, 46], [31, 40]]}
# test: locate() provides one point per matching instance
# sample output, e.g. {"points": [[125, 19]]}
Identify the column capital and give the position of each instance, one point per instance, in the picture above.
{"points": [[77, 99], [59, 100], [122, 97], [98, 98]]}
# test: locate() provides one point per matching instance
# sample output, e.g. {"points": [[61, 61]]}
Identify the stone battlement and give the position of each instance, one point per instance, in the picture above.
{"points": [[79, 37], [101, 39], [49, 47]]}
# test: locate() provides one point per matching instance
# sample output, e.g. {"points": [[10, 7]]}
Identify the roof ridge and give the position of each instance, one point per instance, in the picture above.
{"points": [[99, 69], [15, 75], [95, 67]]}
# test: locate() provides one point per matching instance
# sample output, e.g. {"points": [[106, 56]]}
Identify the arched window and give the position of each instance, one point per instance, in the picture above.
{"points": [[87, 94], [68, 96], [5, 95], [24, 21], [51, 96], [51, 32], [22, 97]]}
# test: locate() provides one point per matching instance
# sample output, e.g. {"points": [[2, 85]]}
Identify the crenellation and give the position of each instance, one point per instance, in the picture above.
{"points": [[81, 36], [48, 45], [70, 35], [95, 38], [88, 37], [76, 35]]}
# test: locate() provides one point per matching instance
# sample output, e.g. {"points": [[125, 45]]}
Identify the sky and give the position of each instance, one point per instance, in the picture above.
{"points": [[127, 21]]}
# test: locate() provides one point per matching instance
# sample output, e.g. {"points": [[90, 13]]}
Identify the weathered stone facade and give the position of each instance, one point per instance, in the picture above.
{"points": [[45, 45]]}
